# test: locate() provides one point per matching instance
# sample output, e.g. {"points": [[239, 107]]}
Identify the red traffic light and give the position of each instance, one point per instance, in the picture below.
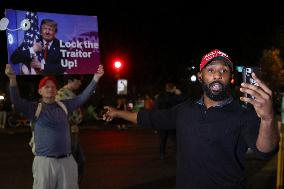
{"points": [[117, 64]]}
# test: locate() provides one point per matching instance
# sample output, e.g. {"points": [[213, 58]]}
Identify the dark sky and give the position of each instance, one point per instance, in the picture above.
{"points": [[160, 41]]}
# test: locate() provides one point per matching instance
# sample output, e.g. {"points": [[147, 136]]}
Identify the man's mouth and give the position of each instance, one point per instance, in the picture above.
{"points": [[216, 86]]}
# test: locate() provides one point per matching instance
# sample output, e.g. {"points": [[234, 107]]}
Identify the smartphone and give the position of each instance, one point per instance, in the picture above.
{"points": [[247, 77]]}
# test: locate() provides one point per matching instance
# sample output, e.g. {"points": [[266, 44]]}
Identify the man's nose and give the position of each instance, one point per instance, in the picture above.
{"points": [[217, 75]]}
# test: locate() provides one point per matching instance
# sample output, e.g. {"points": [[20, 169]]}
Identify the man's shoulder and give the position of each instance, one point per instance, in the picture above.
{"points": [[64, 93], [56, 42]]}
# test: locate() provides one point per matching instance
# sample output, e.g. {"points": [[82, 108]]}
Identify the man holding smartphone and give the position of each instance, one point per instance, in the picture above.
{"points": [[214, 133], [247, 77]]}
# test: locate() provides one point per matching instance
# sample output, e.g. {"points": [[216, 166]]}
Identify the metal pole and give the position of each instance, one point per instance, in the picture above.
{"points": [[279, 182], [280, 156]]}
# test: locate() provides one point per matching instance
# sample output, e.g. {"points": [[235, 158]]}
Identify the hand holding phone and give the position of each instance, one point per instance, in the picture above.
{"points": [[247, 77]]}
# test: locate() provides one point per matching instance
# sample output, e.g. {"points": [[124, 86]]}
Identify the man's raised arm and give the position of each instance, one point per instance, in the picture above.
{"points": [[11, 75], [268, 136]]}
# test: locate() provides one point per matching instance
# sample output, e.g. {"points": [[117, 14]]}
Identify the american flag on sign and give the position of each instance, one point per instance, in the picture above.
{"points": [[32, 35]]}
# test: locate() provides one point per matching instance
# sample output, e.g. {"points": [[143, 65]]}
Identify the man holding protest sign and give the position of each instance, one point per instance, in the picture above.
{"points": [[53, 165]]}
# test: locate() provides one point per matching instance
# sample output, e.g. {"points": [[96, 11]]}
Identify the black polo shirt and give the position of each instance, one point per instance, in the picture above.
{"points": [[211, 143]]}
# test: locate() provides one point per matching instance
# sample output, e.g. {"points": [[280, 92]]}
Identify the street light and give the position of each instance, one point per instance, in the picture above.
{"points": [[193, 78]]}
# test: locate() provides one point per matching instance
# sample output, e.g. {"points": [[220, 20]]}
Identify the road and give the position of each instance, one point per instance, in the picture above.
{"points": [[115, 159]]}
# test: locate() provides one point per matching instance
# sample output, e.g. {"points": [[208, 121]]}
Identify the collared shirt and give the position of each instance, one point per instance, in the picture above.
{"points": [[211, 144], [221, 104], [49, 44]]}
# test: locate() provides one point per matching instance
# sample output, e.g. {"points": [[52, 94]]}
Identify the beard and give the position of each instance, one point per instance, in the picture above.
{"points": [[222, 93]]}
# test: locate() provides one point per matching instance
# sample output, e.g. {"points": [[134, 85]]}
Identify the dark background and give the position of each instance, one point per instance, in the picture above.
{"points": [[159, 41]]}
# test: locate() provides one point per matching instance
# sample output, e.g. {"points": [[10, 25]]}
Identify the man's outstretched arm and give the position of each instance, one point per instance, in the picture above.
{"points": [[114, 113], [22, 105]]}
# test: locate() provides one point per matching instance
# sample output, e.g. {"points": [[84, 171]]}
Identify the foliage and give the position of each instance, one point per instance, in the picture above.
{"points": [[272, 72]]}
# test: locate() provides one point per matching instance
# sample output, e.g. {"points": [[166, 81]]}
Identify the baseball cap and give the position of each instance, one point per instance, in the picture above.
{"points": [[215, 55], [43, 81]]}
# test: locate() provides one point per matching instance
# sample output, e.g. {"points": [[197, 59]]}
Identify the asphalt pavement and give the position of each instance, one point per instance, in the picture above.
{"points": [[115, 159]]}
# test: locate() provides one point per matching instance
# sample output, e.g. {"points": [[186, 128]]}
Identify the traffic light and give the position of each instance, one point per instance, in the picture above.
{"points": [[117, 64]]}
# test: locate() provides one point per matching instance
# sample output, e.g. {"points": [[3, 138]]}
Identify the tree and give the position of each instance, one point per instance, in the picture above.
{"points": [[272, 72]]}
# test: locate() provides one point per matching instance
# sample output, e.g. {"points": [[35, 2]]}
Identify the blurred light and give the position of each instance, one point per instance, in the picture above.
{"points": [[117, 64], [2, 97], [25, 25], [10, 39], [121, 86], [193, 78], [130, 106], [239, 68], [4, 23]]}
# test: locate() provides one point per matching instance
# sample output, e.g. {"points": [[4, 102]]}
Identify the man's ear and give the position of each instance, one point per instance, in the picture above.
{"points": [[232, 79], [39, 91], [199, 77]]}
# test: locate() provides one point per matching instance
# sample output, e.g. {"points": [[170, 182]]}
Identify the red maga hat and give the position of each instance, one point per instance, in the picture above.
{"points": [[215, 55], [45, 79]]}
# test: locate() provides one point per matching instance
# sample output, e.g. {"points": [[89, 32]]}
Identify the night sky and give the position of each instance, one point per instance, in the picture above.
{"points": [[159, 42]]}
